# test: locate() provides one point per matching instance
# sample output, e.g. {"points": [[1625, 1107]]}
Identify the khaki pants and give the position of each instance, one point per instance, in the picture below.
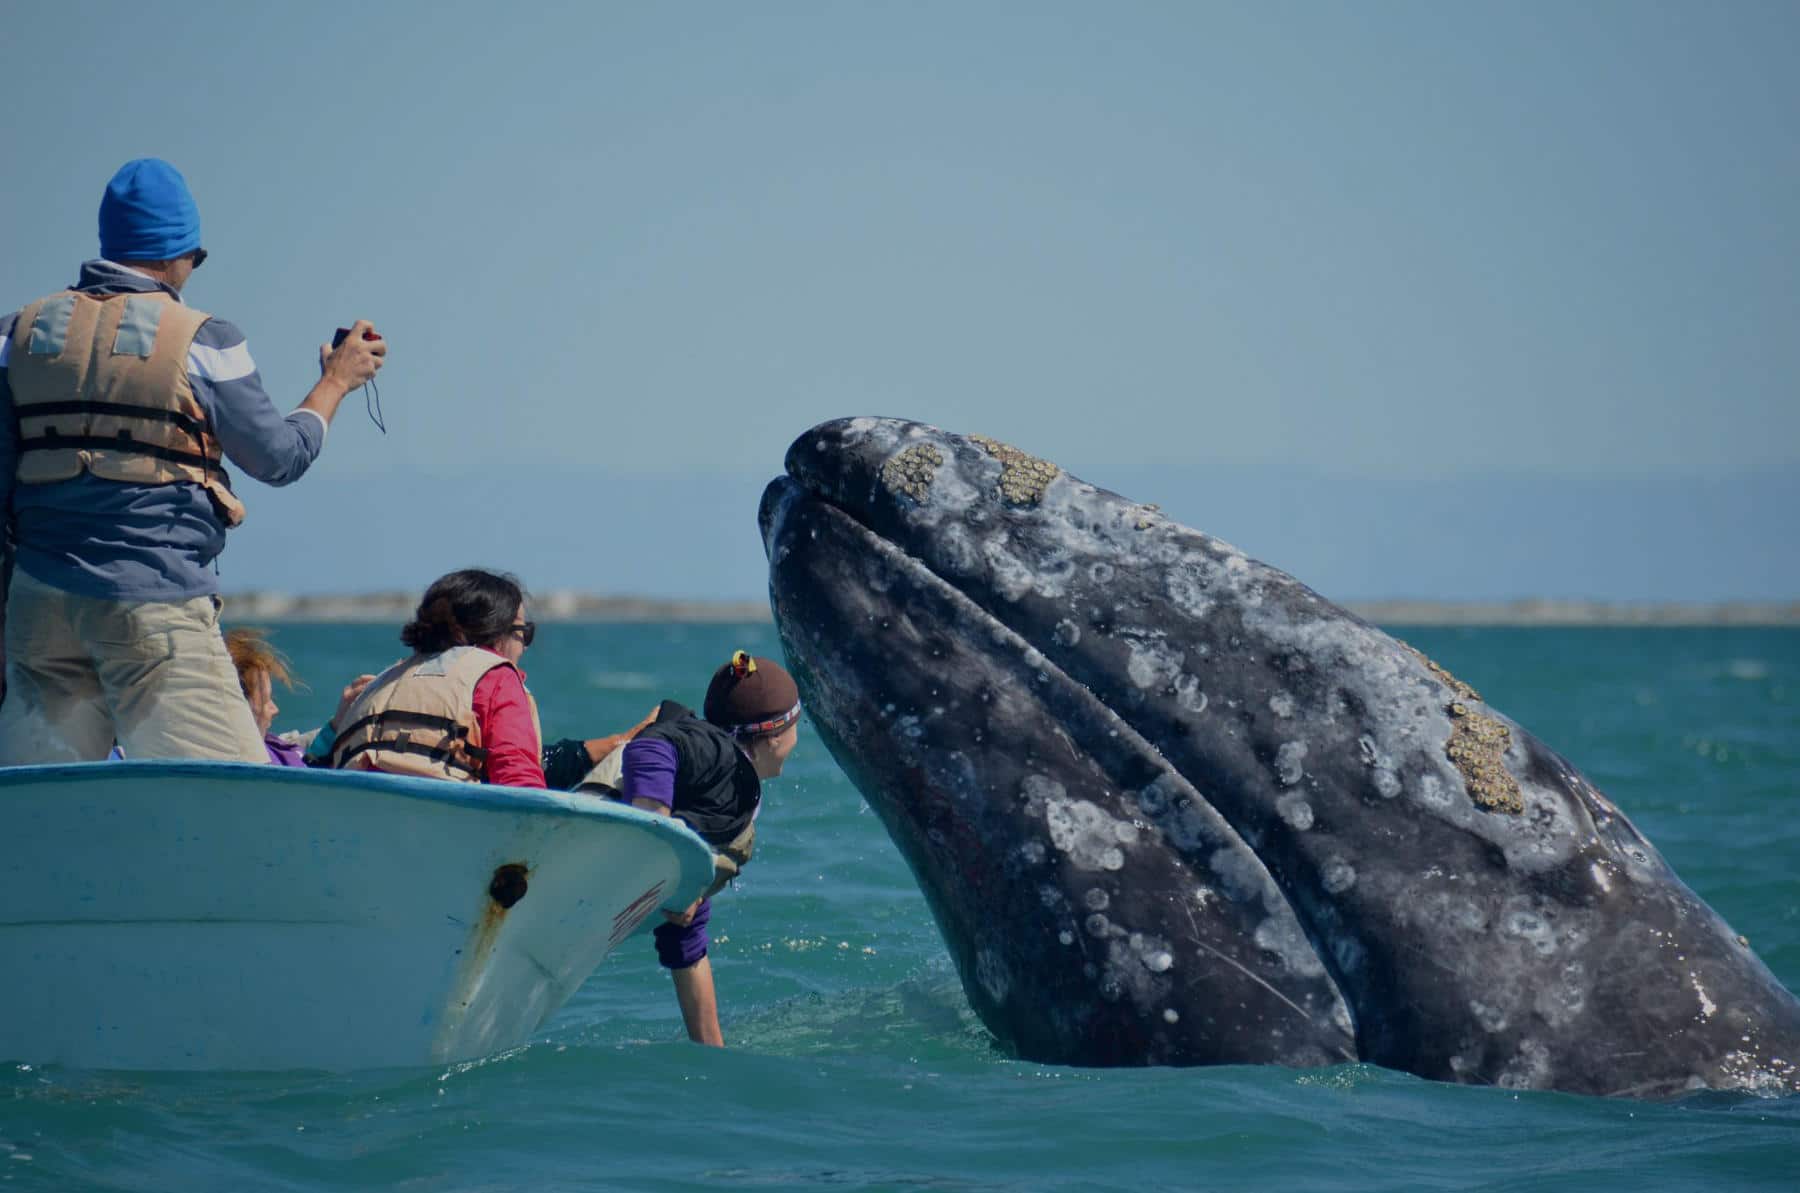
{"points": [[82, 672]]}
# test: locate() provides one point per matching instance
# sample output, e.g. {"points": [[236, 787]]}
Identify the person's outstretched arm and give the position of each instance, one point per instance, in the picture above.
{"points": [[253, 434], [699, 1004]]}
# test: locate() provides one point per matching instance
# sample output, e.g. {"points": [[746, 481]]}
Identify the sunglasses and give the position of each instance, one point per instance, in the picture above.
{"points": [[199, 256], [526, 631]]}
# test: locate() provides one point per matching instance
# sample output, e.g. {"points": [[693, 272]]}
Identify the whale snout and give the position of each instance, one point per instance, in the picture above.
{"points": [[1170, 806]]}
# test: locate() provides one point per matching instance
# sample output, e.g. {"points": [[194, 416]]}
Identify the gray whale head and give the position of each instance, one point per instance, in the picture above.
{"points": [[1168, 805]]}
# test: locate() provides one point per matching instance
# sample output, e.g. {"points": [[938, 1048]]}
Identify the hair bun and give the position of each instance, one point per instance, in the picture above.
{"points": [[751, 695]]}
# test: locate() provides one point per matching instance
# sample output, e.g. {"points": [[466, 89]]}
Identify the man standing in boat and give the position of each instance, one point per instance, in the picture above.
{"points": [[120, 405]]}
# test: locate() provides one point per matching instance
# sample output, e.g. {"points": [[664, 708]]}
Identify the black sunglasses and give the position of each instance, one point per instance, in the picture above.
{"points": [[199, 256], [526, 630]]}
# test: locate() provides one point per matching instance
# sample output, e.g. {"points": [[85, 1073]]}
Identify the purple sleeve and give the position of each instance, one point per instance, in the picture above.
{"points": [[649, 771], [283, 753], [678, 947]]}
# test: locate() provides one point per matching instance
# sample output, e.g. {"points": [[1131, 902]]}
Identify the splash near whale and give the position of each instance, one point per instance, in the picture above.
{"points": [[1170, 806]]}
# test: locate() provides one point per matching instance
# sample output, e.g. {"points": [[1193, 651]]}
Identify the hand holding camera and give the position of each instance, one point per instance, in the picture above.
{"points": [[356, 354]]}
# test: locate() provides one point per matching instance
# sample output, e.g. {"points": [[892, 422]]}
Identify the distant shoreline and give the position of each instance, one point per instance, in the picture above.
{"points": [[567, 606]]}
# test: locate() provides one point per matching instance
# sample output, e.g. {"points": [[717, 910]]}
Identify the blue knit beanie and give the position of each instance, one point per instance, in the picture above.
{"points": [[147, 213]]}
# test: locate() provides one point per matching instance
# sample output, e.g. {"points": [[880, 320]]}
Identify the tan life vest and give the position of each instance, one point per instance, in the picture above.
{"points": [[100, 385], [418, 718]]}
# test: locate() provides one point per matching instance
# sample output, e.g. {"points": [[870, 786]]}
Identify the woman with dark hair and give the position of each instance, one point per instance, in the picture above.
{"points": [[457, 708]]}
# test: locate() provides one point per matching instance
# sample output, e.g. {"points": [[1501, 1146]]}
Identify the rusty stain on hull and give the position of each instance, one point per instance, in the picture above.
{"points": [[506, 887]]}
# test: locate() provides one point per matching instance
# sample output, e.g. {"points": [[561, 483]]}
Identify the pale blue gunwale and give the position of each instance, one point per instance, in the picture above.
{"points": [[694, 854]]}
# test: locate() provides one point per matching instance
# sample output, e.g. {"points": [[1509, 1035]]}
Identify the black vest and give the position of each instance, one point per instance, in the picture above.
{"points": [[716, 788]]}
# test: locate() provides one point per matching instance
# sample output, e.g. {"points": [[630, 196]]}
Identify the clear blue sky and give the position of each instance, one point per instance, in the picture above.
{"points": [[1447, 300]]}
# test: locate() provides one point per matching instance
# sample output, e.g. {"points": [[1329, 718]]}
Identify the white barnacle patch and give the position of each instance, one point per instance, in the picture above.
{"points": [[1386, 776], [1065, 937], [1338, 876], [1098, 925], [991, 972], [1281, 936], [1186, 586], [1491, 1018], [1164, 552], [1066, 633], [1282, 705], [1708, 1008], [1012, 577], [1560, 1001], [1032, 852], [1171, 1015], [1086, 833], [1188, 693], [1153, 663], [1290, 762], [1433, 793], [1295, 811], [1052, 575], [1096, 899], [1531, 928], [1528, 1069], [1602, 878], [1544, 836], [1467, 915], [1159, 960]]}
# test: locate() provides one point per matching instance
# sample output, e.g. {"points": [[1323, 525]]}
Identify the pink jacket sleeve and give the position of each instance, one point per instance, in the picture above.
{"points": [[503, 711]]}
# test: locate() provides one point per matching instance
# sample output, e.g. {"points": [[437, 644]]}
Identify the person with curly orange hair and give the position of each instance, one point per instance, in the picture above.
{"points": [[260, 666]]}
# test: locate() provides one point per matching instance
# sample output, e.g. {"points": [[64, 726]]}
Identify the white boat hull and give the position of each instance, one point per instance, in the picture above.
{"points": [[190, 915]]}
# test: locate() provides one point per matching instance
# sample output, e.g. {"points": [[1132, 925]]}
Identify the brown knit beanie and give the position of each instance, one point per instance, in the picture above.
{"points": [[752, 696]]}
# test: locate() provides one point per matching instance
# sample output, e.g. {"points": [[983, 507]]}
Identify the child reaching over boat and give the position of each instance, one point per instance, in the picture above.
{"points": [[708, 771]]}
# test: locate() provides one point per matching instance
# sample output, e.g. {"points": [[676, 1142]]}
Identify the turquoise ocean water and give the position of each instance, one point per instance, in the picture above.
{"points": [[855, 1061]]}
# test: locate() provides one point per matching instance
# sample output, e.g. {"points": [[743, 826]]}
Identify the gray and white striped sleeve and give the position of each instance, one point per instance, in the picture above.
{"points": [[269, 446]]}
